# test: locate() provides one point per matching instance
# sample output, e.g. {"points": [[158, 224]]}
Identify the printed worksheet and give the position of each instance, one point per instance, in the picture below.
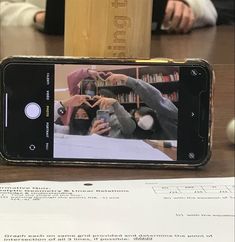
{"points": [[172, 210], [101, 147]]}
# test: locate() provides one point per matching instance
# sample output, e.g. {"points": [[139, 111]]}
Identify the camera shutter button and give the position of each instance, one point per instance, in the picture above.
{"points": [[32, 110]]}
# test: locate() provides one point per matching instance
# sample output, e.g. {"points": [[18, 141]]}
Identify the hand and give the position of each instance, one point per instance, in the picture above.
{"points": [[39, 17], [77, 100], [104, 102], [116, 79], [100, 127], [179, 17], [95, 74]]}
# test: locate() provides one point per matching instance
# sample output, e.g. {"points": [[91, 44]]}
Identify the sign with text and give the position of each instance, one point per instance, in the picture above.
{"points": [[108, 28]]}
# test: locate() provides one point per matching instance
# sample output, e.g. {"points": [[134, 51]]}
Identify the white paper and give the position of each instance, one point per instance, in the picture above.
{"points": [[99, 147], [141, 210]]}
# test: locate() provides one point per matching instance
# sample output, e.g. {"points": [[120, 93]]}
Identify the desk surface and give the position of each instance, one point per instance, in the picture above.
{"points": [[213, 44]]}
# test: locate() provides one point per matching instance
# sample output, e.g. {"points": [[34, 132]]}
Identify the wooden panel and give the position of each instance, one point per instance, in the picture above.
{"points": [[110, 28]]}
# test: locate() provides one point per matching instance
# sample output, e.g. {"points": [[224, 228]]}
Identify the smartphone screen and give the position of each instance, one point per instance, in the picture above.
{"points": [[157, 112], [88, 87], [103, 115]]}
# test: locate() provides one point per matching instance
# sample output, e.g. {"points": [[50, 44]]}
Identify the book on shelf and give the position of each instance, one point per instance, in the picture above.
{"points": [[160, 77], [174, 96], [127, 97], [101, 83]]}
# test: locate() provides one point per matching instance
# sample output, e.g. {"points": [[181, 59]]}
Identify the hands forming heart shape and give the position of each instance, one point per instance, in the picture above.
{"points": [[99, 75], [102, 102], [78, 100], [104, 76], [92, 101]]}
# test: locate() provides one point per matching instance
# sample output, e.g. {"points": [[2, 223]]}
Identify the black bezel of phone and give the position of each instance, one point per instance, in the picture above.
{"points": [[187, 163]]}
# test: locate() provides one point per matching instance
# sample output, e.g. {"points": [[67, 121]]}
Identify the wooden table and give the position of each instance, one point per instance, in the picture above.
{"points": [[214, 44]]}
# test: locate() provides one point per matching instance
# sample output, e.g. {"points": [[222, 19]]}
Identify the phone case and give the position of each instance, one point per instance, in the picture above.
{"points": [[114, 163]]}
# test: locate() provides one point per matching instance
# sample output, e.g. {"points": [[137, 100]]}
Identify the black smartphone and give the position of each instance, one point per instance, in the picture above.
{"points": [[153, 102]]}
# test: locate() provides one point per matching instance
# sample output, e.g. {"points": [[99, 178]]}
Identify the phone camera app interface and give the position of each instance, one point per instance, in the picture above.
{"points": [[116, 112], [29, 98]]}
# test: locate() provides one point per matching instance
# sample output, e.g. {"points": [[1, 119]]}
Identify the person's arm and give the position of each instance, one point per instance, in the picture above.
{"points": [[19, 13], [74, 78], [128, 125], [153, 98], [149, 94], [204, 11], [124, 118], [167, 112]]}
